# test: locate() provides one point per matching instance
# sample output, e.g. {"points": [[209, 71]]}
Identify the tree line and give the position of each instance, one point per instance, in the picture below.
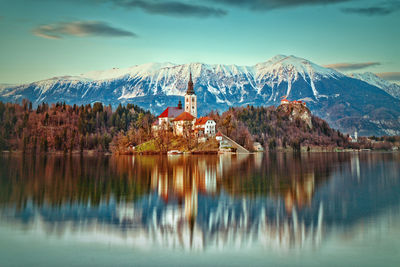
{"points": [[62, 127], [68, 128]]}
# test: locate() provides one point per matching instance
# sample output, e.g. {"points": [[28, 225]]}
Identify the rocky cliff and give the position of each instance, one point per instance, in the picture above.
{"points": [[297, 111]]}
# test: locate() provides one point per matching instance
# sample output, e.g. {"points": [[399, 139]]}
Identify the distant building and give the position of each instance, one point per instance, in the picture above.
{"points": [[258, 147], [354, 139], [284, 101], [218, 136]]}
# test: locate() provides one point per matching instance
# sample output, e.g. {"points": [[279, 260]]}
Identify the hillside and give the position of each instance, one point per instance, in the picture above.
{"points": [[331, 95], [287, 126]]}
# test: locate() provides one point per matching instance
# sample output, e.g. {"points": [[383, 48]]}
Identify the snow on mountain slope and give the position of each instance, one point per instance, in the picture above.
{"points": [[289, 69], [291, 65], [368, 77], [170, 79], [137, 70], [3, 87], [220, 81]]}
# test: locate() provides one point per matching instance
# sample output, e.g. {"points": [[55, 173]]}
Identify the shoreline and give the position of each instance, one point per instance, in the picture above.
{"points": [[146, 153]]}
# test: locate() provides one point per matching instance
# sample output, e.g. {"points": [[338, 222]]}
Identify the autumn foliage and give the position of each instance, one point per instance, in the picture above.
{"points": [[66, 128], [275, 129]]}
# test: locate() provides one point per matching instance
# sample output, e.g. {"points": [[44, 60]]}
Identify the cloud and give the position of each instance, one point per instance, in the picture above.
{"points": [[172, 8], [390, 76], [274, 4], [207, 8], [351, 66], [80, 29], [385, 8]]}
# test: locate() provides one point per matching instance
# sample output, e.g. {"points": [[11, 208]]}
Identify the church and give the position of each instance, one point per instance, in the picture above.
{"points": [[184, 119]]}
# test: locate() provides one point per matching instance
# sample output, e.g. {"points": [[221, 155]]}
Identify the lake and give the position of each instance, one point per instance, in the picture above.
{"points": [[276, 209]]}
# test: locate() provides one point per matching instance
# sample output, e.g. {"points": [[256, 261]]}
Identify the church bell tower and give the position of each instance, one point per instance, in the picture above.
{"points": [[191, 99]]}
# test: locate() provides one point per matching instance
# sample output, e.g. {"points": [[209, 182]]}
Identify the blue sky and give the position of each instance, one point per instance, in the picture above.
{"points": [[44, 38]]}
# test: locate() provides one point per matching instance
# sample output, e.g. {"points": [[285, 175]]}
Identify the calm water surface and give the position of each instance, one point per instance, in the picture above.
{"points": [[281, 209]]}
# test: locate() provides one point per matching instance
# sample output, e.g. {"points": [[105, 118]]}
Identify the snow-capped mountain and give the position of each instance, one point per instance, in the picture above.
{"points": [[369, 77], [347, 103]]}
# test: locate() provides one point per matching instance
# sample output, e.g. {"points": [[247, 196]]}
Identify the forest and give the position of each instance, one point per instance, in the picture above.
{"points": [[61, 127], [273, 128]]}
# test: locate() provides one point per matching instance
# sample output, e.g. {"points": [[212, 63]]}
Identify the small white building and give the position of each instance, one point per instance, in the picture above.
{"points": [[205, 126], [355, 139], [218, 136], [258, 147]]}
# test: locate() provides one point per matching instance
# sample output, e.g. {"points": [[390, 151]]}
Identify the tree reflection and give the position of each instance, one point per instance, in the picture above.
{"points": [[58, 180], [282, 200]]}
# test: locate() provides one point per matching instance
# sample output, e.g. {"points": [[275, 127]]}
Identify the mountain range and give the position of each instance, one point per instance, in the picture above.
{"points": [[356, 102]]}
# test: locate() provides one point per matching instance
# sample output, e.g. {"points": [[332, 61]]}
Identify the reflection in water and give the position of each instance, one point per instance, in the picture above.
{"points": [[279, 200]]}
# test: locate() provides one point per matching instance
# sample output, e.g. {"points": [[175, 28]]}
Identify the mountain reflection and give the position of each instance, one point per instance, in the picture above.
{"points": [[279, 200]]}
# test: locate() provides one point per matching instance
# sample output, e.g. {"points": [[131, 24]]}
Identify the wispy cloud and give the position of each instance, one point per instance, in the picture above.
{"points": [[351, 66], [210, 8], [390, 76], [220, 8], [384, 8], [172, 8], [80, 29], [274, 4]]}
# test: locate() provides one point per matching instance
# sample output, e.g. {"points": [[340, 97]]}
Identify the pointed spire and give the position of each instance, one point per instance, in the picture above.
{"points": [[190, 90]]}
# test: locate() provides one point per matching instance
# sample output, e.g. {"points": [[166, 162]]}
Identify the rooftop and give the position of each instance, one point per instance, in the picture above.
{"points": [[171, 112], [202, 120], [184, 116]]}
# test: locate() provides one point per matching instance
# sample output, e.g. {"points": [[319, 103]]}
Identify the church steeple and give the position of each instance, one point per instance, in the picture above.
{"points": [[190, 90], [191, 99]]}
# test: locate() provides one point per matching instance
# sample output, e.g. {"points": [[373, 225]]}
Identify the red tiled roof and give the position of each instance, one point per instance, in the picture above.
{"points": [[184, 116], [202, 120], [171, 112], [219, 134]]}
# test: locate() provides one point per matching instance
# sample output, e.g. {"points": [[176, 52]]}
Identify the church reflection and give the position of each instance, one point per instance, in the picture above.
{"points": [[228, 216], [184, 178], [279, 200]]}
